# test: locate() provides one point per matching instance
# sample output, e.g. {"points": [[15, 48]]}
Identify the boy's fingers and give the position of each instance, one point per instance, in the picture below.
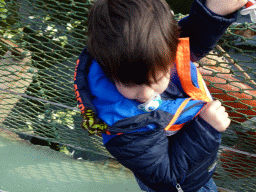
{"points": [[221, 110], [226, 123], [225, 115], [215, 114], [214, 105]]}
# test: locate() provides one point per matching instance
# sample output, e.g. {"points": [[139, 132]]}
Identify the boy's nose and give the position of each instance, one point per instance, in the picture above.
{"points": [[145, 94]]}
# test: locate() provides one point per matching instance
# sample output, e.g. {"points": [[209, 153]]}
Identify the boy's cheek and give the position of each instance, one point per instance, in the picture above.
{"points": [[125, 91]]}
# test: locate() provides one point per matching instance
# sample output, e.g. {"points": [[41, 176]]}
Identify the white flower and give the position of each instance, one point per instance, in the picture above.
{"points": [[55, 39], [69, 26], [40, 34], [41, 116], [70, 127], [49, 28]]}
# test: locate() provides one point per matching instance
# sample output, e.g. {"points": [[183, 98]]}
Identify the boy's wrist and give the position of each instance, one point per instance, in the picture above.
{"points": [[213, 11], [204, 16], [224, 7], [207, 126], [210, 10]]}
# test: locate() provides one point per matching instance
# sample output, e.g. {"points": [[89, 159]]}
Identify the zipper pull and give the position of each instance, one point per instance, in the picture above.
{"points": [[178, 187], [152, 104]]}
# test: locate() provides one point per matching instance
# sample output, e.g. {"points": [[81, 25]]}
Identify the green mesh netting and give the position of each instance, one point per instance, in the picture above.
{"points": [[39, 44]]}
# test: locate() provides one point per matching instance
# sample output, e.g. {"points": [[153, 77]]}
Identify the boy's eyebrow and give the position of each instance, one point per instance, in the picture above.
{"points": [[158, 79]]}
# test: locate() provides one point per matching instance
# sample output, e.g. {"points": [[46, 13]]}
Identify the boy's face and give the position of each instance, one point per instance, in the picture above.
{"points": [[144, 93]]}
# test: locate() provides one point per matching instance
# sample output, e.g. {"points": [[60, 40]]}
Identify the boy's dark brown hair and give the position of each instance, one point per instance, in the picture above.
{"points": [[132, 39]]}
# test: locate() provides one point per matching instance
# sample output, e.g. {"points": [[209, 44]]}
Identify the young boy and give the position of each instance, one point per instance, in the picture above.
{"points": [[136, 75]]}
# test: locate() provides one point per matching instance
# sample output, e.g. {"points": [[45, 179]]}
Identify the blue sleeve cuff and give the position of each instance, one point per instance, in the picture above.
{"points": [[208, 127], [204, 28]]}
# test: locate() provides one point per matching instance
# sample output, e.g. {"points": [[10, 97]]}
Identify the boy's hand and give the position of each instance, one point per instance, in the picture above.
{"points": [[215, 114], [225, 7]]}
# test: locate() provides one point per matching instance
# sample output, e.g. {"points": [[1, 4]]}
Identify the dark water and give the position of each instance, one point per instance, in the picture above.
{"points": [[180, 6]]}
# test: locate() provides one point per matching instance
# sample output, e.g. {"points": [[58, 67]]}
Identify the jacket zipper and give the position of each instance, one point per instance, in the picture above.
{"points": [[214, 153], [178, 187]]}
